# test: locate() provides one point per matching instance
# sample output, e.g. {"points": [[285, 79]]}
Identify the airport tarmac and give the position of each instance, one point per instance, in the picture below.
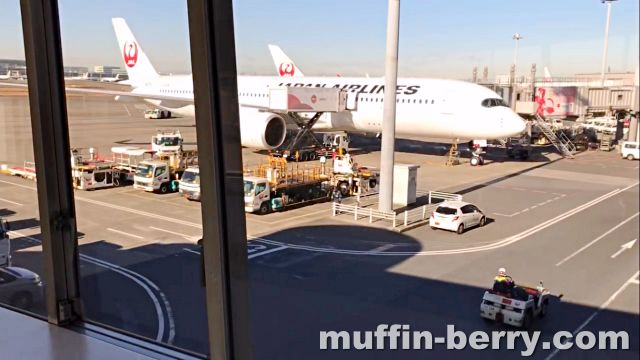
{"points": [[557, 220]]}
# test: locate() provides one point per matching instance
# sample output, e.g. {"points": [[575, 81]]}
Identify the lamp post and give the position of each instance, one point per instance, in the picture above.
{"points": [[606, 41], [389, 112], [517, 38]]}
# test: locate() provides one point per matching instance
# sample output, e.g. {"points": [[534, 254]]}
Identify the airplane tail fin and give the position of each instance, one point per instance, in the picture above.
{"points": [[136, 62], [284, 65], [547, 75]]}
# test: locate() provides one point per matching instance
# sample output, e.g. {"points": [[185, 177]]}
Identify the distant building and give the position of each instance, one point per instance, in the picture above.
{"points": [[108, 70]]}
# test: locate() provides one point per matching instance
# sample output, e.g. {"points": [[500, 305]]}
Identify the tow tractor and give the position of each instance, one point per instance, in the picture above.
{"points": [[518, 148], [350, 178], [167, 141], [517, 307]]}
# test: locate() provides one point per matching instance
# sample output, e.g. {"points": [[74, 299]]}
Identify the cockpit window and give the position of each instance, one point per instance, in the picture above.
{"points": [[493, 102]]}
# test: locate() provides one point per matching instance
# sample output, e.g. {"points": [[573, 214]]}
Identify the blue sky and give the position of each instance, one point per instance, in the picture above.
{"points": [[437, 38]]}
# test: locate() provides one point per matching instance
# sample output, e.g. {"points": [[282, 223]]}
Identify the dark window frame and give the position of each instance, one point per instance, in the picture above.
{"points": [[215, 96]]}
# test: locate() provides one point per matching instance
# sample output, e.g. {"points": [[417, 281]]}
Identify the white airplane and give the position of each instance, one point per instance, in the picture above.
{"points": [[439, 109], [443, 109], [6, 76]]}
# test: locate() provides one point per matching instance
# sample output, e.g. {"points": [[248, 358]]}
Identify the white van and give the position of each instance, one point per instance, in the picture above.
{"points": [[631, 150]]}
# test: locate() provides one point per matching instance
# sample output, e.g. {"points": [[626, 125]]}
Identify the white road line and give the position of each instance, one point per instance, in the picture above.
{"points": [[496, 245], [145, 283], [602, 307], [250, 256], [596, 240], [11, 202], [165, 300], [383, 248], [187, 237], [635, 281], [284, 247], [18, 185], [624, 247], [500, 214], [191, 251], [125, 233], [504, 242], [121, 208]]}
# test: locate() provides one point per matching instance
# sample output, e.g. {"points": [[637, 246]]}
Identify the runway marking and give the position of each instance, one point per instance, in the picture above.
{"points": [[144, 282], [283, 247], [11, 202], [501, 243], [191, 251], [187, 237], [602, 307], [249, 256], [383, 247], [596, 239], [125, 233], [540, 204], [496, 245], [623, 248]]}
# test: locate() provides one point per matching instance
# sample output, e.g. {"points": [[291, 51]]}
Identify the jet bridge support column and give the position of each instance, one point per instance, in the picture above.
{"points": [[303, 127], [389, 119]]}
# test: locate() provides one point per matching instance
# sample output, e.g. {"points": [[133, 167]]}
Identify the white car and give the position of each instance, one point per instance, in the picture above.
{"points": [[631, 150], [456, 216]]}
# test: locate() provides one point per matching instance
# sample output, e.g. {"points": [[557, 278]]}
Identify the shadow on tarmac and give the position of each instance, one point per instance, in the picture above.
{"points": [[295, 294]]}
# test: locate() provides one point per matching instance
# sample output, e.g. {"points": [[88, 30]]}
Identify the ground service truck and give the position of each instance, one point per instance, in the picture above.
{"points": [[190, 183], [163, 172], [277, 185]]}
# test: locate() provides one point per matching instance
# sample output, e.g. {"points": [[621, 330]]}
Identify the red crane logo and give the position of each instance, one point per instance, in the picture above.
{"points": [[130, 53], [286, 69]]}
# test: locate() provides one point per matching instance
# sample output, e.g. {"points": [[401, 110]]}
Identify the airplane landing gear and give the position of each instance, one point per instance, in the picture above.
{"points": [[477, 160], [477, 152]]}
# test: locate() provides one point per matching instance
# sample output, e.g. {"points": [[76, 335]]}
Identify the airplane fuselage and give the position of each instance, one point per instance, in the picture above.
{"points": [[447, 109]]}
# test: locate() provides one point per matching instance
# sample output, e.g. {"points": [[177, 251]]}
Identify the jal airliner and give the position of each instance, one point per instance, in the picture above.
{"points": [[438, 109]]}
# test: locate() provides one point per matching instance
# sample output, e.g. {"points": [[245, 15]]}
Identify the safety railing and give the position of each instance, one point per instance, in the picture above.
{"points": [[444, 196], [400, 219], [418, 214], [361, 212]]}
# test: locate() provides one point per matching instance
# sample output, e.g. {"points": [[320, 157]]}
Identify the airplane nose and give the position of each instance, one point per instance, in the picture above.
{"points": [[515, 125]]}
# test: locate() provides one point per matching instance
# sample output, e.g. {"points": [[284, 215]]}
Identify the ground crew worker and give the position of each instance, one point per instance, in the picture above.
{"points": [[503, 282], [337, 196], [502, 275]]}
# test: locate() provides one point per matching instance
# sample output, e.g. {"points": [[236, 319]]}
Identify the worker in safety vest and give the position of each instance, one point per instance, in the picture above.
{"points": [[503, 282]]}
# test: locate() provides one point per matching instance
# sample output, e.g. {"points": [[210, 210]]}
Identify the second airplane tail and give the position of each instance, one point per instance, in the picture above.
{"points": [[137, 64], [284, 65]]}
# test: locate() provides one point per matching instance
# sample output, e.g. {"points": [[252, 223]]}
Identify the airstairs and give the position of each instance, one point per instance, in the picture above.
{"points": [[559, 139]]}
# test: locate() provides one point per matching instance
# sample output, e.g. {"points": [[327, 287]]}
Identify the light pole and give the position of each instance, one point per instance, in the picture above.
{"points": [[606, 41], [517, 38], [389, 112]]}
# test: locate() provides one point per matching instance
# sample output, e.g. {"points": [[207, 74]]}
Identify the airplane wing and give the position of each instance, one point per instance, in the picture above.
{"points": [[119, 94], [125, 95]]}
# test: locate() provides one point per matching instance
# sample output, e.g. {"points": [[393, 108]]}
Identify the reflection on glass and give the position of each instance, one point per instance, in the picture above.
{"points": [[139, 261], [21, 263]]}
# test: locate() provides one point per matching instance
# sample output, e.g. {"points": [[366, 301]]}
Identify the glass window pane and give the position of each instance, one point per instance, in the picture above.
{"points": [[139, 261], [21, 263]]}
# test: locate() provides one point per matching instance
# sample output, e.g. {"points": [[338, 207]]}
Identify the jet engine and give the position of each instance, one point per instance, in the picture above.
{"points": [[261, 130]]}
